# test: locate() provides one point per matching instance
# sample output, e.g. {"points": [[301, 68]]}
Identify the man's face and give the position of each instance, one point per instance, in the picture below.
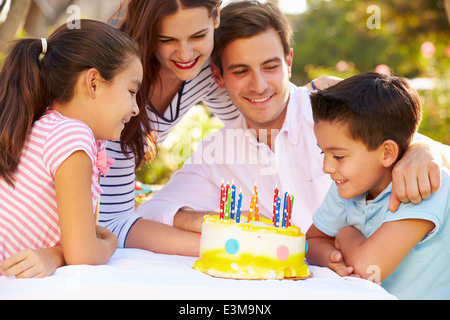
{"points": [[256, 75]]}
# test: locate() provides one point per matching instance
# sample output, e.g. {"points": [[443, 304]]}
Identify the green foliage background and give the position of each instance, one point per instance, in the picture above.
{"points": [[333, 38]]}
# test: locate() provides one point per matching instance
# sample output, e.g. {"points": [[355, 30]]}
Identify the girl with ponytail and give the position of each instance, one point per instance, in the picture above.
{"points": [[60, 99]]}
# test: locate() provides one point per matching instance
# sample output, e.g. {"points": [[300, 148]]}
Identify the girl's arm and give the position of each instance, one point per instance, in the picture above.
{"points": [[322, 252], [80, 242], [384, 250]]}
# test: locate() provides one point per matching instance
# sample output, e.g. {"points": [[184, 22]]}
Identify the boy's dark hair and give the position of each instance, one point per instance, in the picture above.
{"points": [[246, 19], [375, 107]]}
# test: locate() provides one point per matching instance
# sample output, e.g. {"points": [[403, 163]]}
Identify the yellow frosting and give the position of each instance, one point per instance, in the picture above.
{"points": [[217, 263], [263, 225]]}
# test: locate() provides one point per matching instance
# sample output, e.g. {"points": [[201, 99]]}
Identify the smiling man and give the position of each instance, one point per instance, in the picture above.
{"points": [[272, 143], [256, 71]]}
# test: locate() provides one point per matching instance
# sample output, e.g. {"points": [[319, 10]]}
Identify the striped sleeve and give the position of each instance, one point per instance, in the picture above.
{"points": [[67, 137]]}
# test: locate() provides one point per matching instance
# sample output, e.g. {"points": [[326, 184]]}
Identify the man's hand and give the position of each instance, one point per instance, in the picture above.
{"points": [[189, 220], [416, 176], [323, 82]]}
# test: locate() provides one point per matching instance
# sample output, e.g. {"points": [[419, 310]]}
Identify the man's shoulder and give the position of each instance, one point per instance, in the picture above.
{"points": [[300, 101], [298, 91]]}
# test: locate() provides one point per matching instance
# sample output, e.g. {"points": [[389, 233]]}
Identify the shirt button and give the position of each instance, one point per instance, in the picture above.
{"points": [[369, 223]]}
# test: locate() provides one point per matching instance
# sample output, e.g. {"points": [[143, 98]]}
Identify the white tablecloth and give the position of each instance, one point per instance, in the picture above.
{"points": [[138, 274]]}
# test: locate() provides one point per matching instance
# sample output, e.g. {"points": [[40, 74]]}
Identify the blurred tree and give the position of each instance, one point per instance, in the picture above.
{"points": [[333, 31], [38, 17], [44, 14], [447, 8], [14, 22]]}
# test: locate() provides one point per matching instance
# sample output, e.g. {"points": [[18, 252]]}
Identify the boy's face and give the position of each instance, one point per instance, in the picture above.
{"points": [[256, 75], [354, 169]]}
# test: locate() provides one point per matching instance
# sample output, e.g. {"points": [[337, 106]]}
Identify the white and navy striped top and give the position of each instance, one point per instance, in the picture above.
{"points": [[118, 187]]}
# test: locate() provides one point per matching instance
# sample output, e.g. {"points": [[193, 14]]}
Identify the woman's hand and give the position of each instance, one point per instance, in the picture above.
{"points": [[322, 82]]}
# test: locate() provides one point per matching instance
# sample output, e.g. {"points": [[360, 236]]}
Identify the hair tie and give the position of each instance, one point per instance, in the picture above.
{"points": [[44, 49]]}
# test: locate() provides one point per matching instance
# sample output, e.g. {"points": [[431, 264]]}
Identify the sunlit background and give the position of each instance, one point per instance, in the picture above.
{"points": [[288, 6], [332, 37]]}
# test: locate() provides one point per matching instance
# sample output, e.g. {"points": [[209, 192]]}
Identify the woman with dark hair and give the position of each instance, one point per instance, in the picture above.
{"points": [[176, 39]]}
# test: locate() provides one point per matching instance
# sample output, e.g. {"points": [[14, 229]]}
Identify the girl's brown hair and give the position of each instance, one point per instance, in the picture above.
{"points": [[29, 84], [142, 22]]}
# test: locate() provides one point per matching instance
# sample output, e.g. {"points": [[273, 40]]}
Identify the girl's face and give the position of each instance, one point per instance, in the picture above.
{"points": [[185, 42], [116, 102]]}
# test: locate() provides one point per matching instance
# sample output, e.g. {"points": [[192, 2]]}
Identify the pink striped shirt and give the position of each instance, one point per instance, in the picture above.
{"points": [[28, 212]]}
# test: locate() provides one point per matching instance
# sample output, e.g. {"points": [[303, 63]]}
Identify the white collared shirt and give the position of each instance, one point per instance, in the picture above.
{"points": [[234, 154]]}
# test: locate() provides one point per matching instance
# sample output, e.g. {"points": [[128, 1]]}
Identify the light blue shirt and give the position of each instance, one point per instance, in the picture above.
{"points": [[425, 272]]}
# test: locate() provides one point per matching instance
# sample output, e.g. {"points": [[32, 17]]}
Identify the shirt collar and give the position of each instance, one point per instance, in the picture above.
{"points": [[291, 126], [361, 199]]}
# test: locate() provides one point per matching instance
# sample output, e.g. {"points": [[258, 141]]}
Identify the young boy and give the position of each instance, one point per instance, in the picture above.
{"points": [[363, 126]]}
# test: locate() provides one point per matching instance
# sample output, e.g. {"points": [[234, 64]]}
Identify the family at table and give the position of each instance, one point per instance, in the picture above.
{"points": [[237, 60]]}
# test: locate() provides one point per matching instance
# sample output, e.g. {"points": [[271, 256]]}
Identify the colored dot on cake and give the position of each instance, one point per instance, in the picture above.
{"points": [[282, 253], [232, 246]]}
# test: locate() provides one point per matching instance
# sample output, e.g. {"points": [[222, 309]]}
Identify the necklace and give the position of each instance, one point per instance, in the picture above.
{"points": [[177, 112]]}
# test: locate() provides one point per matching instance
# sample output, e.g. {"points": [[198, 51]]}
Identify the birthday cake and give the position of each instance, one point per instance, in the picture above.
{"points": [[251, 248]]}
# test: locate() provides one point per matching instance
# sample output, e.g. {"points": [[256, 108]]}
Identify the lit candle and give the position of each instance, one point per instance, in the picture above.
{"points": [[252, 207], [256, 204], [222, 200], [277, 213], [233, 201], [256, 209], [228, 205], [290, 211], [275, 196], [285, 209], [238, 211]]}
